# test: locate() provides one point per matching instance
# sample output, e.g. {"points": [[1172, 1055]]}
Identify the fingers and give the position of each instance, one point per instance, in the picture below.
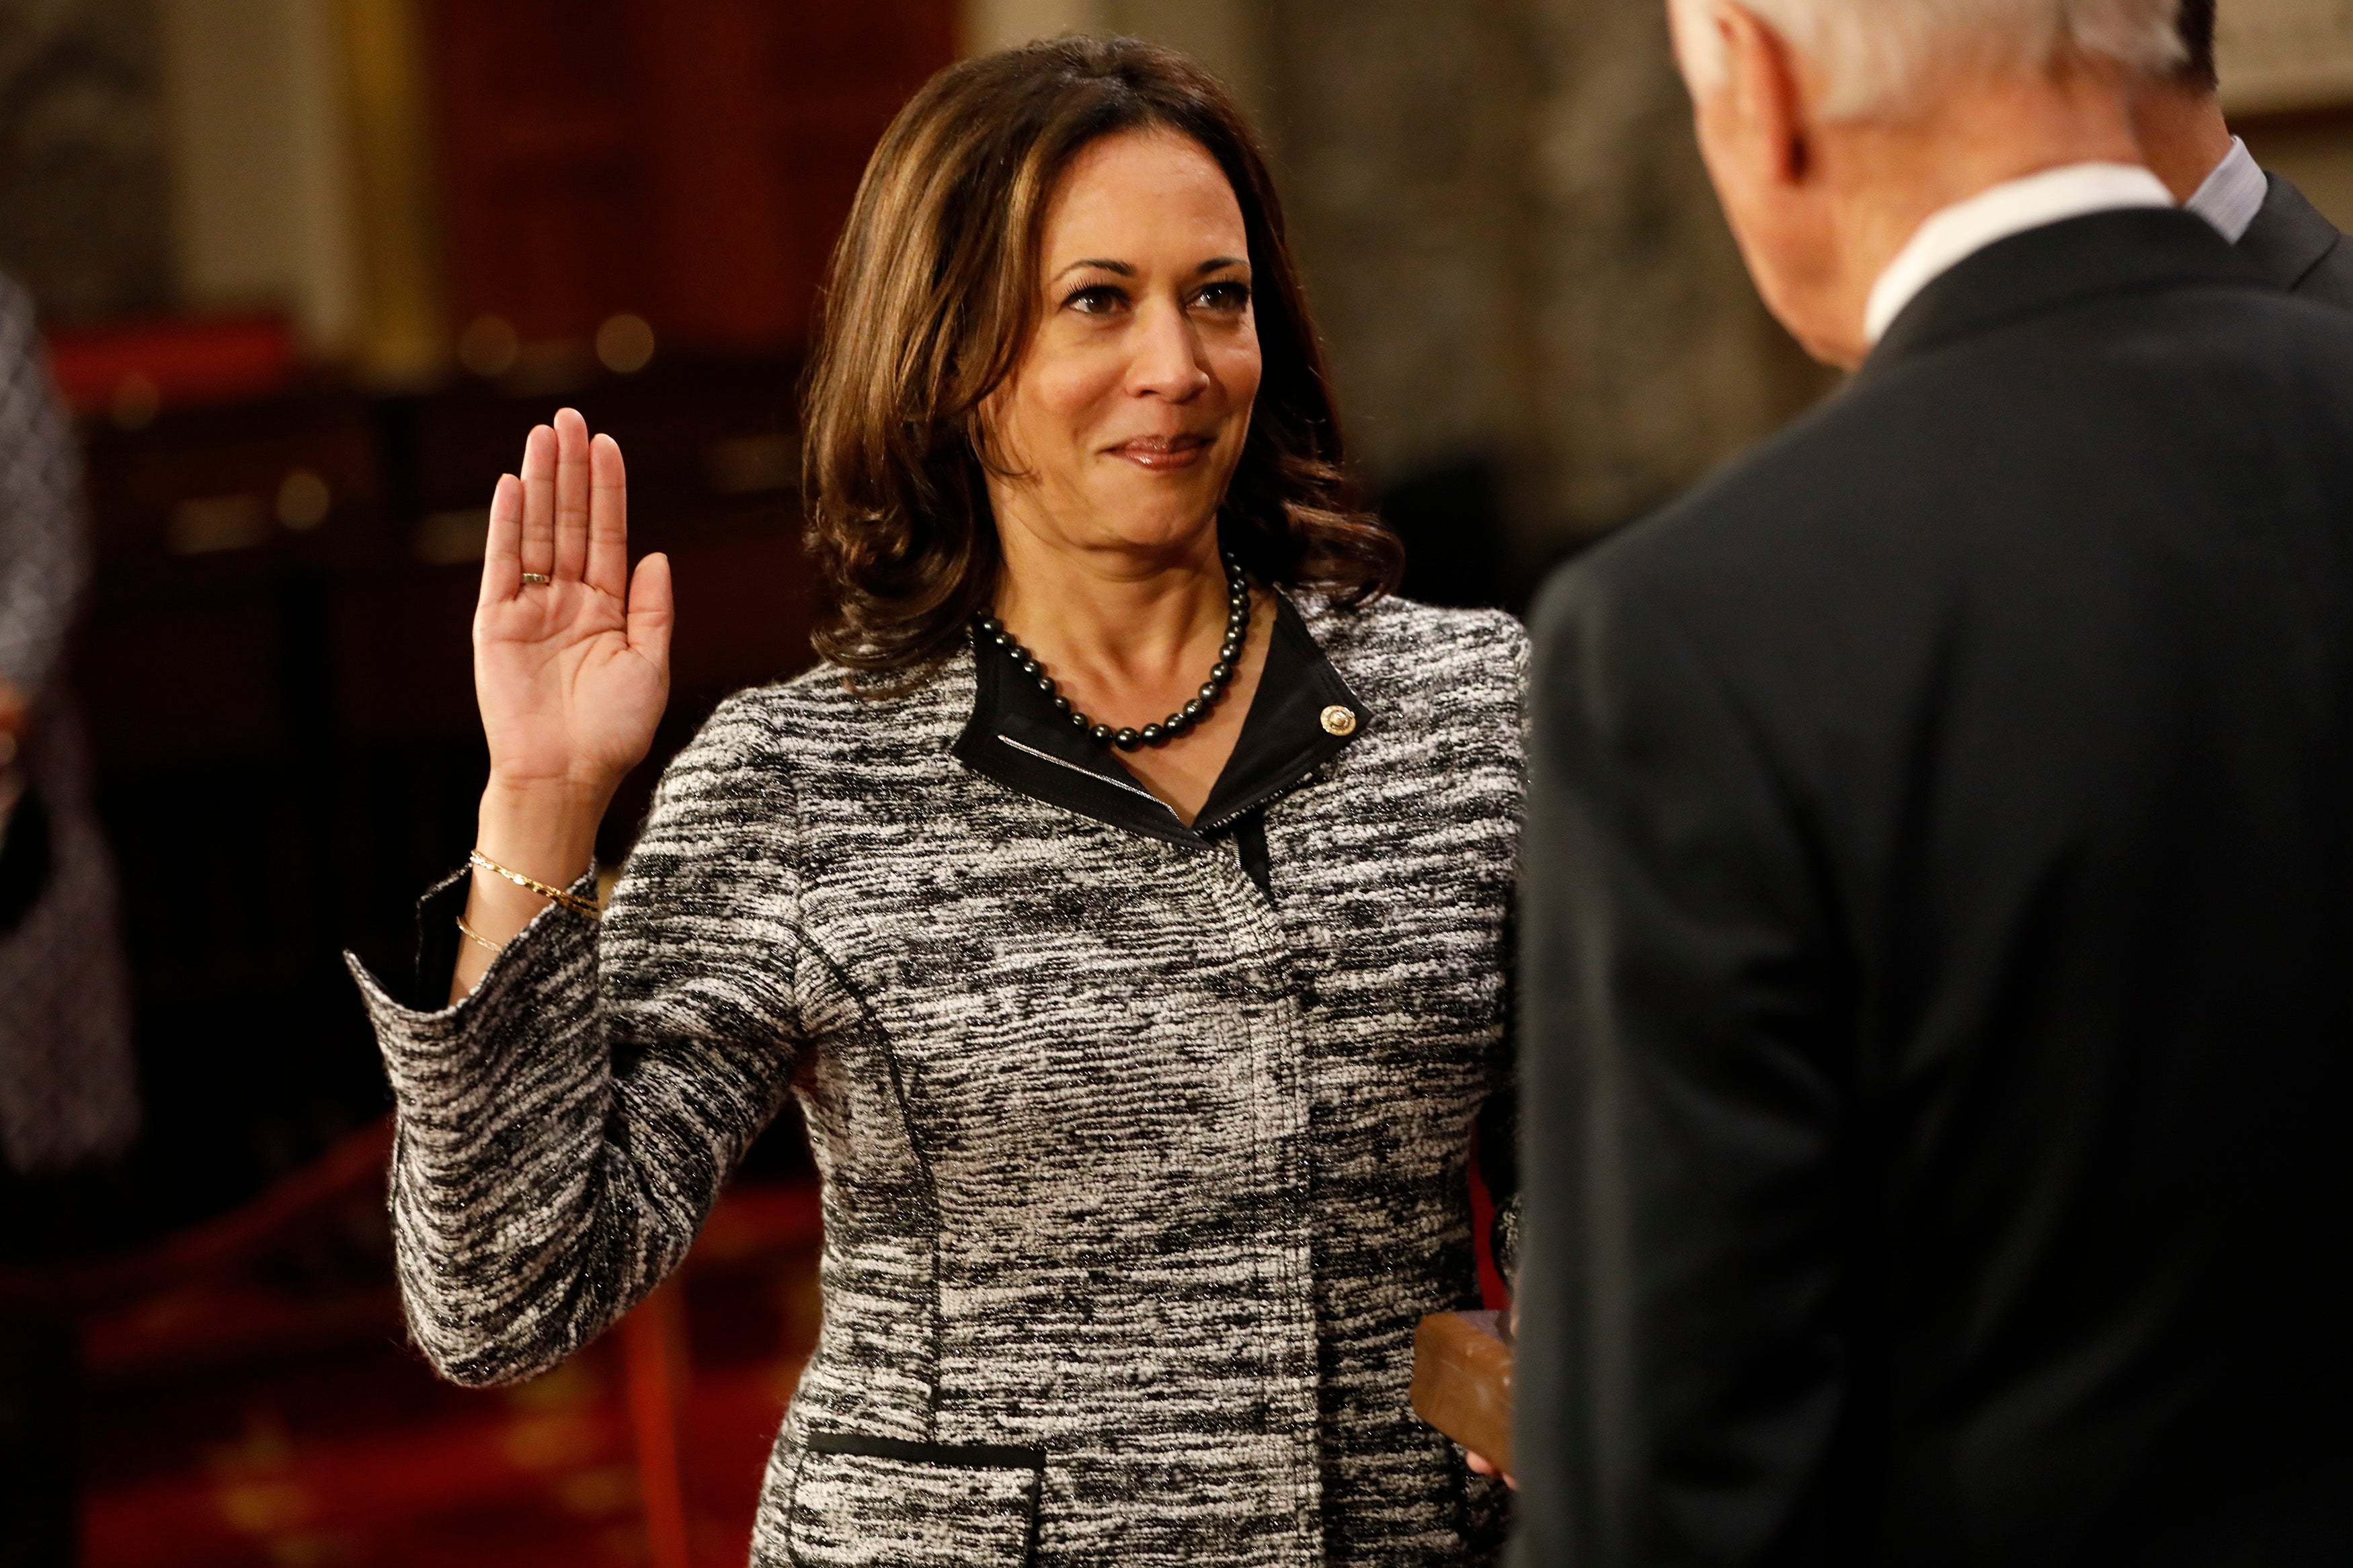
{"points": [[1486, 1467], [608, 518], [571, 495], [539, 502], [503, 551], [652, 612]]}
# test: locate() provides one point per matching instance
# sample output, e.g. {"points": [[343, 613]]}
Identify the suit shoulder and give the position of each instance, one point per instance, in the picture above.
{"points": [[2331, 280], [1936, 439], [1750, 511]]}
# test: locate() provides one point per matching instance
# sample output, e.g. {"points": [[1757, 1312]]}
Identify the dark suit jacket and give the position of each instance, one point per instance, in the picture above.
{"points": [[2299, 250], [1938, 953]]}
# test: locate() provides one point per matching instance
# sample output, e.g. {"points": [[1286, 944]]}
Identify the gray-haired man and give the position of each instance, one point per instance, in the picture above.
{"points": [[1937, 1036]]}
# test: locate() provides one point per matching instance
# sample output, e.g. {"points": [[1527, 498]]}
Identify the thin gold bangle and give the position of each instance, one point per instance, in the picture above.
{"points": [[477, 939], [552, 895]]}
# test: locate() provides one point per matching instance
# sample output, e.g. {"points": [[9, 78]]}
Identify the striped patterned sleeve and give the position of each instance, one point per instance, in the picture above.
{"points": [[44, 541], [563, 1130]]}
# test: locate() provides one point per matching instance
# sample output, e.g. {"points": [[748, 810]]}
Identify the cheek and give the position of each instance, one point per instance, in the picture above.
{"points": [[1066, 392], [1238, 366], [1071, 384]]}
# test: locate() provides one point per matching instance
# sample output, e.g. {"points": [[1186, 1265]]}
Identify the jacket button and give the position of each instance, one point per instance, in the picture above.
{"points": [[1339, 720]]}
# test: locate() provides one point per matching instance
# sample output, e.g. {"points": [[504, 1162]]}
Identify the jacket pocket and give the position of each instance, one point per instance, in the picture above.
{"points": [[861, 1500]]}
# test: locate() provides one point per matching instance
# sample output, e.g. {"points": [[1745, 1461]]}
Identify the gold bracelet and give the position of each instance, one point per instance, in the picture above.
{"points": [[477, 939], [552, 895]]}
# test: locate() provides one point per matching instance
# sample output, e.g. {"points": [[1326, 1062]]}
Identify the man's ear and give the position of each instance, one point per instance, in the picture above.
{"points": [[1761, 77]]}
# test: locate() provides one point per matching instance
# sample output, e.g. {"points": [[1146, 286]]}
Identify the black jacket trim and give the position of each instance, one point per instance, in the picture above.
{"points": [[1048, 757], [1018, 738], [1283, 741], [1250, 843]]}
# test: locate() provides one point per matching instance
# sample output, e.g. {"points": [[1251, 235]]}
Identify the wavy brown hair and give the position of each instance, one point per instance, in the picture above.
{"points": [[931, 300]]}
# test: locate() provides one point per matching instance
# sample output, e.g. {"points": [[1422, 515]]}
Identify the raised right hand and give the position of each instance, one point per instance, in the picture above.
{"points": [[572, 673]]}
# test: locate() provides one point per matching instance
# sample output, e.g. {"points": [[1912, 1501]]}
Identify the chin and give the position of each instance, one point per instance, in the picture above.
{"points": [[1160, 512], [1165, 529]]}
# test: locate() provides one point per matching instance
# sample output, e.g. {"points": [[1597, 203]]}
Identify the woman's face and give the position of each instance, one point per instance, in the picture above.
{"points": [[1126, 416]]}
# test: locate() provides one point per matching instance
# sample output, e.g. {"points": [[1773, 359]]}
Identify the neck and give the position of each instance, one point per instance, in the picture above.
{"points": [[1119, 615], [2183, 134], [1886, 177]]}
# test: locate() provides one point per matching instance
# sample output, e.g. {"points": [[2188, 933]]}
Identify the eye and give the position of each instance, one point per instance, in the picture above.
{"points": [[1098, 299], [1229, 294]]}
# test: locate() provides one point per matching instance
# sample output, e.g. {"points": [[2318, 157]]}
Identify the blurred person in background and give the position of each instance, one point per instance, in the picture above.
{"points": [[1937, 1039], [2178, 119], [1126, 896], [68, 1102]]}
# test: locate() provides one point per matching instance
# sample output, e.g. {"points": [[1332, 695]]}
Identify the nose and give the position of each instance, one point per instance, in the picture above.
{"points": [[1168, 361]]}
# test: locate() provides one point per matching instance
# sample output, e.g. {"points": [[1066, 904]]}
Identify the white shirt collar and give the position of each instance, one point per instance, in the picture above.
{"points": [[2233, 194], [2014, 206]]}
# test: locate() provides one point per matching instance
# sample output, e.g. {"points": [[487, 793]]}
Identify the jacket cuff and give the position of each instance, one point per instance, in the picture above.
{"points": [[436, 940], [548, 963]]}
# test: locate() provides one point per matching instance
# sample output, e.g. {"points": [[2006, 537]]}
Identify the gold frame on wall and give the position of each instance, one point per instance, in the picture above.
{"points": [[2280, 55]]}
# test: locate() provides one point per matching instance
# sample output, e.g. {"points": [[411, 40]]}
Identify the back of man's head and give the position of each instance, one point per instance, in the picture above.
{"points": [[1877, 55]]}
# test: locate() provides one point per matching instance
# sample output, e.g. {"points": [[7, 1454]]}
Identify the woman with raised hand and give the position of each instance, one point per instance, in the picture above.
{"points": [[1124, 897]]}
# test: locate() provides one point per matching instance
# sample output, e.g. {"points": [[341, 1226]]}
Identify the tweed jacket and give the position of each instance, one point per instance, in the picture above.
{"points": [[1137, 1176], [69, 1079]]}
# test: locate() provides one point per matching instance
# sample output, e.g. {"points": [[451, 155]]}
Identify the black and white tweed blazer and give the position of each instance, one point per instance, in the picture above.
{"points": [[1138, 1175]]}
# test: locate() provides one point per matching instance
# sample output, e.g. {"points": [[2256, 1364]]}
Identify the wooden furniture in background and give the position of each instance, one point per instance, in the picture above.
{"points": [[277, 673], [688, 161], [402, 338], [277, 666]]}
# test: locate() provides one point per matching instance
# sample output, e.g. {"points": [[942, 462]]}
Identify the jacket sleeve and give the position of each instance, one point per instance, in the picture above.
{"points": [[1684, 1350], [44, 550], [563, 1130]]}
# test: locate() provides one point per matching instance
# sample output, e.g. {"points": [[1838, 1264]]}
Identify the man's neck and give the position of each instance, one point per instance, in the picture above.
{"points": [[2183, 136], [1894, 176]]}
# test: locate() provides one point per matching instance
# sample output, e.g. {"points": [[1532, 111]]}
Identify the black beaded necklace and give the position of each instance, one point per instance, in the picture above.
{"points": [[989, 631]]}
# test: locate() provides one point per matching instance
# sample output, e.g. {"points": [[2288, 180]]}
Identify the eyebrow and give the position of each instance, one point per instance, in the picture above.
{"points": [[1125, 269]]}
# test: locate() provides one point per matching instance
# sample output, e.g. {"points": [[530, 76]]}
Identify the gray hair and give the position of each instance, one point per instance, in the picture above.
{"points": [[1875, 56]]}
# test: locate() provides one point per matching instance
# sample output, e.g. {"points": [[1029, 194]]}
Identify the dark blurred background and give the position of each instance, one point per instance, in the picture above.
{"points": [[309, 270]]}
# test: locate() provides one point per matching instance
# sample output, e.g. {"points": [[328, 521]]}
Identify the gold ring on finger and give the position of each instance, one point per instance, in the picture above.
{"points": [[534, 576]]}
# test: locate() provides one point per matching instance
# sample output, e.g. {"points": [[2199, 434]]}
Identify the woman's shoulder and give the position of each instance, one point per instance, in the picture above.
{"points": [[814, 735], [1421, 646], [824, 708]]}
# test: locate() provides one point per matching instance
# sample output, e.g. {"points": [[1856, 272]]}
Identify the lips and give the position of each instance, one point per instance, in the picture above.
{"points": [[1161, 453]]}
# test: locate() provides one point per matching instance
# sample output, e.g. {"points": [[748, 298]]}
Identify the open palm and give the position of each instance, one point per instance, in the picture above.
{"points": [[571, 654]]}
